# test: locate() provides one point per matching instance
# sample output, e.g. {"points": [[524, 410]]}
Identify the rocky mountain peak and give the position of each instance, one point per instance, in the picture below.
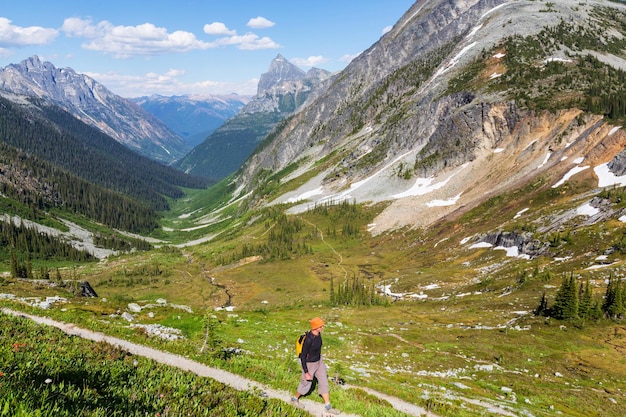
{"points": [[34, 62], [280, 70], [94, 104]]}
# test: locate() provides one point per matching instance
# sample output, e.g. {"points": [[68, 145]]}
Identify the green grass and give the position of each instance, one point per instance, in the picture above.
{"points": [[44, 372], [436, 352]]}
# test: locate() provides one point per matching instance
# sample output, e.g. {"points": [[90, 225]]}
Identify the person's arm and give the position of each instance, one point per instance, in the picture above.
{"points": [[306, 347]]}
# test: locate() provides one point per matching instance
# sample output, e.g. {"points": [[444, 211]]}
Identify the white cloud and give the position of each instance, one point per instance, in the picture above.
{"points": [[11, 35], [249, 41], [260, 23], [387, 29], [218, 28], [312, 61], [169, 84], [126, 41]]}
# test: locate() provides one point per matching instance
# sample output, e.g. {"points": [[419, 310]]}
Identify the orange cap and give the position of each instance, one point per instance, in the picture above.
{"points": [[316, 323]]}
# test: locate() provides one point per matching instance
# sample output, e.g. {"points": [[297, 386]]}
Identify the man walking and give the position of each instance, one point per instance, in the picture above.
{"points": [[313, 366]]}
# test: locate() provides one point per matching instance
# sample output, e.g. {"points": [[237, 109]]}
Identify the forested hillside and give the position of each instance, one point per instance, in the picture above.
{"points": [[41, 186], [55, 136]]}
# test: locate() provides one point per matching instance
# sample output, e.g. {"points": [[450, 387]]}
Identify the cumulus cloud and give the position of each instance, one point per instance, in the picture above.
{"points": [[260, 23], [127, 41], [249, 41], [218, 28], [16, 36], [312, 61], [169, 84]]}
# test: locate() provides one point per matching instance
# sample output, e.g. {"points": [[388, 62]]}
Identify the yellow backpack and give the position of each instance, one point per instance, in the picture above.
{"points": [[300, 342]]}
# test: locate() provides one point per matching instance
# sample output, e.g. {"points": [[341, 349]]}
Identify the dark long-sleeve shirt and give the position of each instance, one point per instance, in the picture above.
{"points": [[311, 350]]}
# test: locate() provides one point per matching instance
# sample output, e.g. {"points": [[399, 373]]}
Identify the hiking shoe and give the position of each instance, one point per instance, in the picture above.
{"points": [[331, 410], [295, 402]]}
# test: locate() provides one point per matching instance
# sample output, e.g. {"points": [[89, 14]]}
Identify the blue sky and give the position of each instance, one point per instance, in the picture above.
{"points": [[174, 47]]}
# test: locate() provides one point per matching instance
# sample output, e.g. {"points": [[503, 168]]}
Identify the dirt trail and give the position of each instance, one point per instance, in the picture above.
{"points": [[230, 379]]}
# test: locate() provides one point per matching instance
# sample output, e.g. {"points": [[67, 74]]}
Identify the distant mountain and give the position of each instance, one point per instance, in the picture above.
{"points": [[94, 104], [192, 117], [281, 92], [49, 159]]}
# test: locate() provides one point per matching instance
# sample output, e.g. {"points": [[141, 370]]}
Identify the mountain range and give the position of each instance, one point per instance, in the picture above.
{"points": [[94, 104], [458, 189], [192, 117], [282, 90], [450, 108], [456, 105]]}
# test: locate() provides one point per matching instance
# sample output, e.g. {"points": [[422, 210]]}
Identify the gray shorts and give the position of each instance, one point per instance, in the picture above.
{"points": [[318, 371]]}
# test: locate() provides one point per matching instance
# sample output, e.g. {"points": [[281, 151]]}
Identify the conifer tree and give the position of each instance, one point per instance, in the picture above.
{"points": [[585, 296], [14, 265], [596, 312], [566, 301], [613, 306], [542, 308]]}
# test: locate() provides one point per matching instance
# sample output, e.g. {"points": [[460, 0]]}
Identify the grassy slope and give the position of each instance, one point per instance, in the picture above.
{"points": [[435, 352]]}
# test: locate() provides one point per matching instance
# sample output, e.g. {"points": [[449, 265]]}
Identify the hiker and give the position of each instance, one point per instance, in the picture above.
{"points": [[313, 366]]}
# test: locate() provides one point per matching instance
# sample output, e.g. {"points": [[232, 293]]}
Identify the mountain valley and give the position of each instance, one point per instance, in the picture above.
{"points": [[451, 203]]}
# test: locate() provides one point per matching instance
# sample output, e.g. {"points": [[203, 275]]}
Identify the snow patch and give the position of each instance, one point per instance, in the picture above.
{"points": [[454, 60], [545, 161], [587, 210], [519, 213], [615, 129], [441, 203], [606, 178], [512, 252], [570, 174], [306, 195], [481, 245]]}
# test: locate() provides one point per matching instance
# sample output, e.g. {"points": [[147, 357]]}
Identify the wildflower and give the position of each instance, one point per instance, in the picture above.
{"points": [[48, 380]]}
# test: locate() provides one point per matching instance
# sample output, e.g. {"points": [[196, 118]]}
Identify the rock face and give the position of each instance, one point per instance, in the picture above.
{"points": [[280, 71], [618, 164], [284, 88], [419, 119], [522, 241], [94, 104]]}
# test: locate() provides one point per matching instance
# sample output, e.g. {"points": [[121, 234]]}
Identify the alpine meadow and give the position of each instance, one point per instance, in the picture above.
{"points": [[452, 204]]}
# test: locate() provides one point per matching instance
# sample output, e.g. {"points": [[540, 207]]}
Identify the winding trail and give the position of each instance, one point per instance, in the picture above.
{"points": [[340, 262], [233, 380]]}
